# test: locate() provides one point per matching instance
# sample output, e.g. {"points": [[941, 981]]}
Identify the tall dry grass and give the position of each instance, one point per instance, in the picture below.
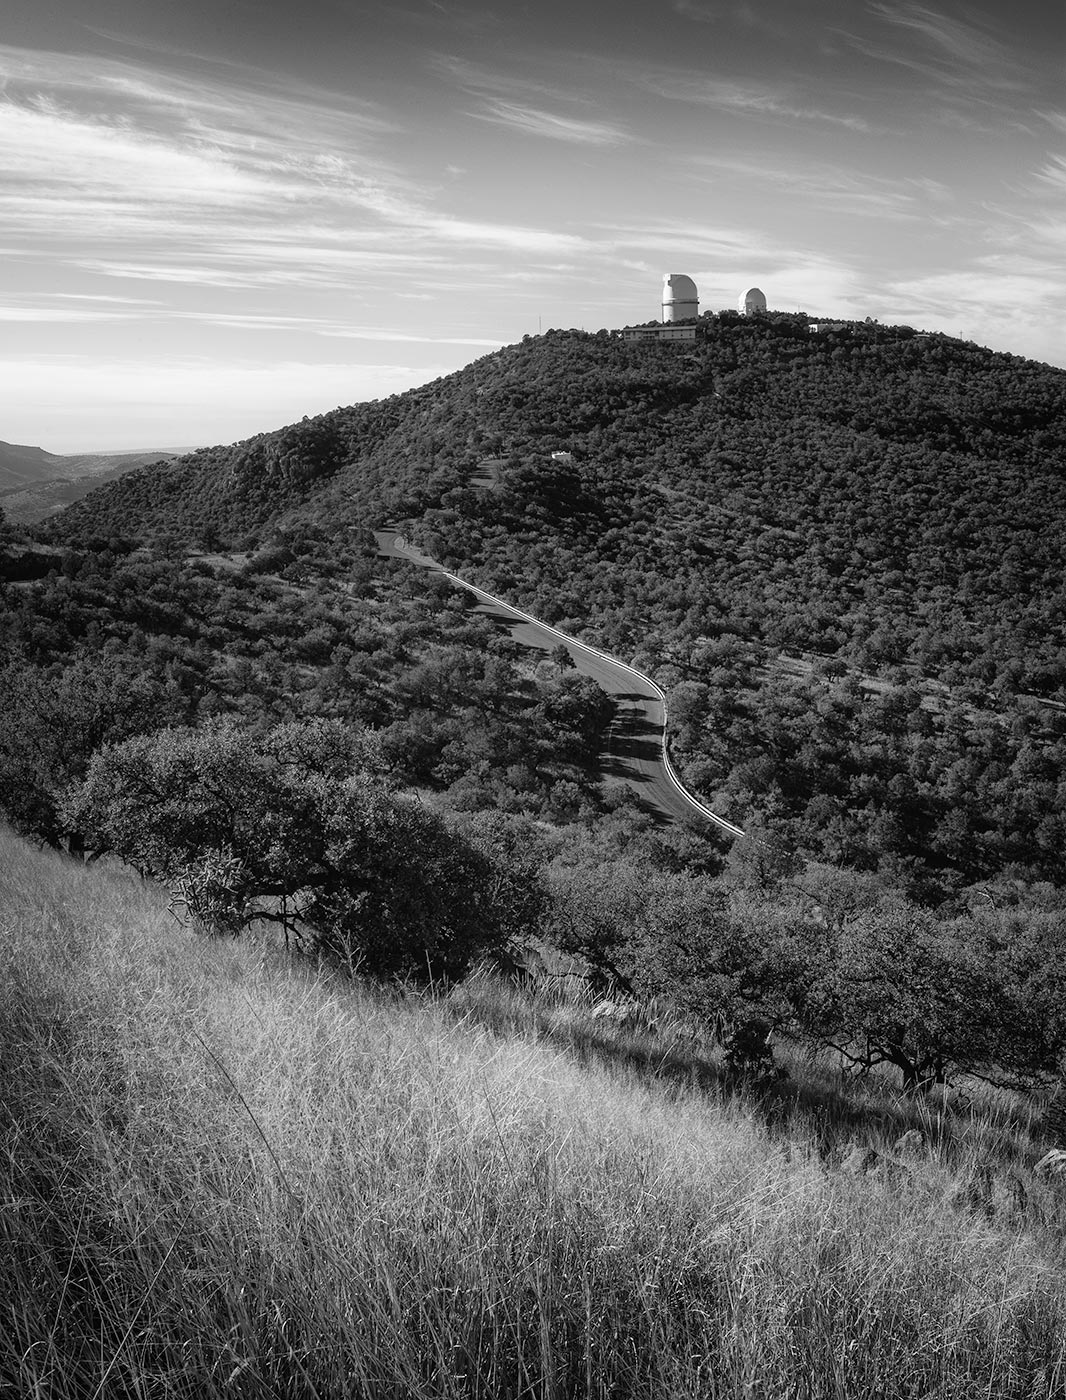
{"points": [[227, 1176]]}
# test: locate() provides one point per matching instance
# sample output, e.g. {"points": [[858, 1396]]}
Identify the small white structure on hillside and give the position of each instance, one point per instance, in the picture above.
{"points": [[751, 302], [680, 298]]}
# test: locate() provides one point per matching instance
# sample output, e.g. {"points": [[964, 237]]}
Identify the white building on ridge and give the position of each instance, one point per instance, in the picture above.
{"points": [[680, 298], [751, 302]]}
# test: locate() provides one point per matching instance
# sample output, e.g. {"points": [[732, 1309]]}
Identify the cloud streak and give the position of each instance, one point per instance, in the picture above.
{"points": [[531, 121], [774, 101], [831, 187], [1053, 173], [743, 15], [262, 189], [521, 104], [958, 57], [29, 315], [963, 45]]}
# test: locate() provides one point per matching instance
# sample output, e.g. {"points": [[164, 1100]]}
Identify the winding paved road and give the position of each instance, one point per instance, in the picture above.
{"points": [[637, 746]]}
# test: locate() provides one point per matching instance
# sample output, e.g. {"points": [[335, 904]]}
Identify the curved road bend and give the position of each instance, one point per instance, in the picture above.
{"points": [[636, 752]]}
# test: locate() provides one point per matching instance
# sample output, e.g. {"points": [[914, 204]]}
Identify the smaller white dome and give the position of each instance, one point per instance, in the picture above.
{"points": [[751, 301]]}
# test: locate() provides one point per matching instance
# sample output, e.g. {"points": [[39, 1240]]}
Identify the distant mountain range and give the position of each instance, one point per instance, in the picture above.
{"points": [[35, 483]]}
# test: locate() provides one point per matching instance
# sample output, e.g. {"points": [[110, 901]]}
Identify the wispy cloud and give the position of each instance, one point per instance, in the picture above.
{"points": [[962, 43], [168, 179], [953, 53], [123, 152], [108, 160], [513, 237], [317, 326], [1053, 173], [976, 294], [744, 15], [383, 333], [223, 97], [103, 298], [264, 264], [830, 187], [136, 309], [1050, 230], [29, 315], [978, 117], [654, 234], [522, 104], [761, 99], [531, 121], [996, 299]]}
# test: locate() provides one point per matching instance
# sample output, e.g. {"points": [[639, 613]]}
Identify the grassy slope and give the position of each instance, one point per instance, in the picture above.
{"points": [[226, 1176]]}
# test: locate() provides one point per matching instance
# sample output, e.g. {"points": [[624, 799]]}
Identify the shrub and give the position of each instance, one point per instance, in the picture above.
{"points": [[296, 827]]}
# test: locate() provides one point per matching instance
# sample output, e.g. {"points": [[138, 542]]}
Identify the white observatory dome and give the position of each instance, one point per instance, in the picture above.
{"points": [[680, 298], [752, 302]]}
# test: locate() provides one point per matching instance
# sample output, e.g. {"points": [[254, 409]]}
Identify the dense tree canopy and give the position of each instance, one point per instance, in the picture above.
{"points": [[114, 641], [295, 826], [833, 960]]}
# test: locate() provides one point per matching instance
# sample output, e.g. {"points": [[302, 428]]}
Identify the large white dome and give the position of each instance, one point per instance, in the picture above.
{"points": [[680, 298]]}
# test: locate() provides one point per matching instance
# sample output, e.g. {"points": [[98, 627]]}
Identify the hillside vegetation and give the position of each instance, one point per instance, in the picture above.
{"points": [[787, 483], [883, 508], [227, 1175], [112, 641]]}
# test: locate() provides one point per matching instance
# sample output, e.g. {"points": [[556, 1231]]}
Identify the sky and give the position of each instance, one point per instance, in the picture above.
{"points": [[217, 216]]}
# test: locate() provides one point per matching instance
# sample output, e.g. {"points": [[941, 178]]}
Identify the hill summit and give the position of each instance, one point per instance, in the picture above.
{"points": [[22, 466], [868, 493]]}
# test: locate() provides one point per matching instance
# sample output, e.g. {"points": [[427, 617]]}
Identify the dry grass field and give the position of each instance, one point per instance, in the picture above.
{"points": [[226, 1175]]}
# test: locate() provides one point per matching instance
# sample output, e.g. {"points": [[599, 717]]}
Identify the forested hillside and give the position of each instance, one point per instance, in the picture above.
{"points": [[868, 503], [115, 642], [867, 493]]}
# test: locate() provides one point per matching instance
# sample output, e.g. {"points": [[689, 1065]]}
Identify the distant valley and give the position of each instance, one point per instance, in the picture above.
{"points": [[35, 483]]}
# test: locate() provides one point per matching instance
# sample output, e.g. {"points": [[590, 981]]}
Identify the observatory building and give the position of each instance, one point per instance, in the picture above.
{"points": [[680, 298], [751, 302]]}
